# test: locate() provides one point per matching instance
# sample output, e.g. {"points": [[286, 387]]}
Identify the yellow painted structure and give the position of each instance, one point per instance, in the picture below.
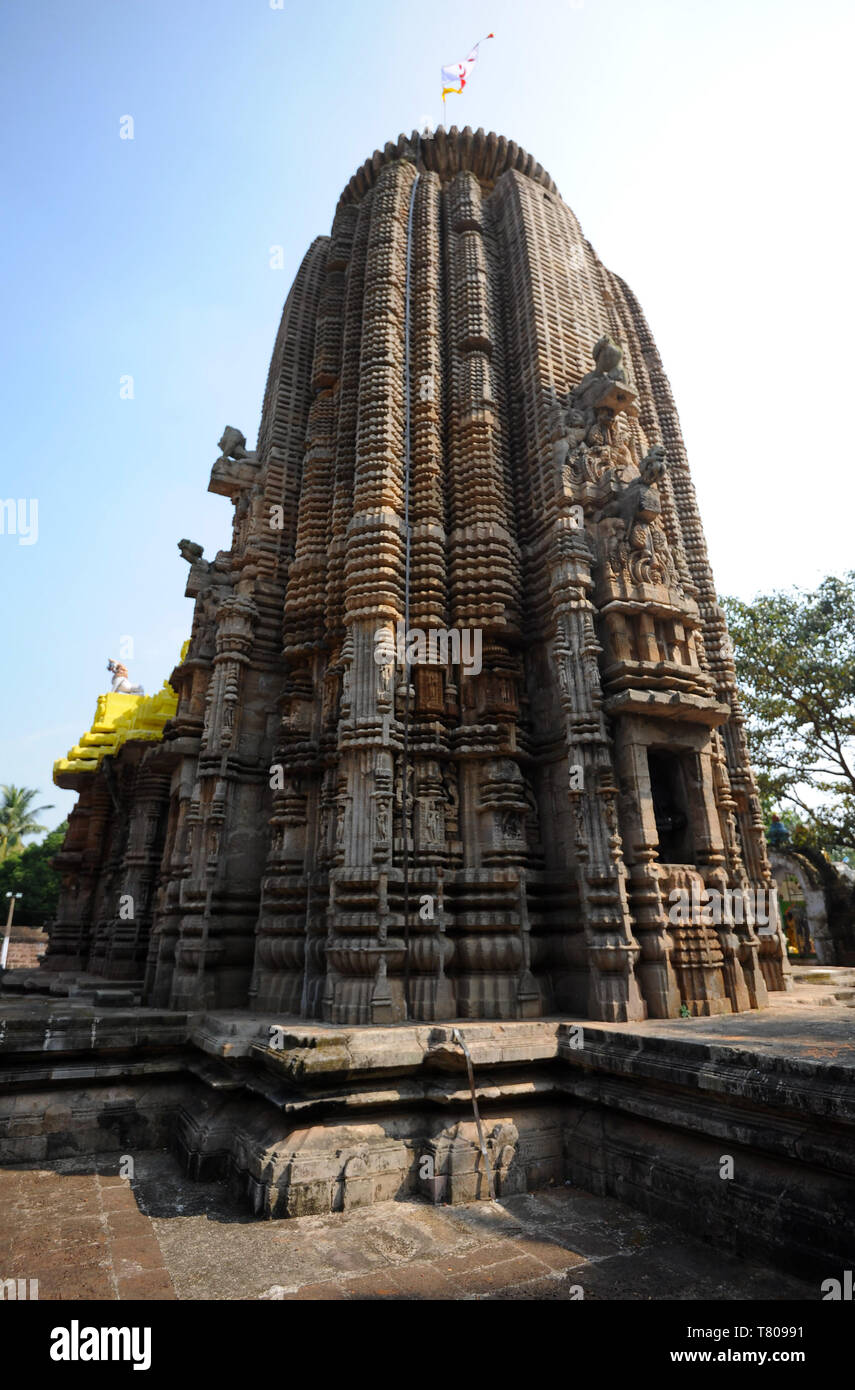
{"points": [[118, 719]]}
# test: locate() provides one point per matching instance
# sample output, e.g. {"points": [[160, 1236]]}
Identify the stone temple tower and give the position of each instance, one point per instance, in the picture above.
{"points": [[457, 733]]}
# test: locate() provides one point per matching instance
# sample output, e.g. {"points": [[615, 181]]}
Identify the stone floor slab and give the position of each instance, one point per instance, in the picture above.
{"points": [[83, 1234]]}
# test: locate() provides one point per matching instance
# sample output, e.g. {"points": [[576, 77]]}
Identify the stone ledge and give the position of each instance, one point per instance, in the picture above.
{"points": [[696, 709]]}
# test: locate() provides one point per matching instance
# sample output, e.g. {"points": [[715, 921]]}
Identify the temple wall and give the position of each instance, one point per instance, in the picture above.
{"points": [[346, 832]]}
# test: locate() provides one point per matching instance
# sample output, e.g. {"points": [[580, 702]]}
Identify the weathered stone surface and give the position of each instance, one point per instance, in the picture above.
{"points": [[312, 1118], [561, 1244], [466, 429]]}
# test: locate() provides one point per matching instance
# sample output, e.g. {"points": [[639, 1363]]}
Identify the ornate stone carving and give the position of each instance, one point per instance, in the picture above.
{"points": [[233, 444], [638, 502], [367, 841]]}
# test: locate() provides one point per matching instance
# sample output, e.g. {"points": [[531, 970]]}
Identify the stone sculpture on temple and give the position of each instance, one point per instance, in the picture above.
{"points": [[121, 684]]}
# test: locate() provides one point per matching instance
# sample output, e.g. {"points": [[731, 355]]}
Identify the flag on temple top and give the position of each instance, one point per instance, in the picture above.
{"points": [[456, 75]]}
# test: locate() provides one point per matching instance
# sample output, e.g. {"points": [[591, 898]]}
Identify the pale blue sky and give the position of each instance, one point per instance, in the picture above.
{"points": [[704, 144]]}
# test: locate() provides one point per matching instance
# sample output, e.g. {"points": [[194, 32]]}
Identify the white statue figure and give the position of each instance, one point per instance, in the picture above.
{"points": [[121, 681]]}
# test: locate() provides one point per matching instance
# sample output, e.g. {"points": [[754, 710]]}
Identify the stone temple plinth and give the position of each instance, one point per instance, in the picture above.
{"points": [[457, 732]]}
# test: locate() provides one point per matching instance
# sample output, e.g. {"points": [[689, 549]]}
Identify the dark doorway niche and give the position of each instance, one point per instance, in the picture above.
{"points": [[670, 807]]}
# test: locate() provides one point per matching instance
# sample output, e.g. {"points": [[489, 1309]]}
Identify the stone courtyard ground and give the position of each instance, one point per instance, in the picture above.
{"points": [[86, 1234]]}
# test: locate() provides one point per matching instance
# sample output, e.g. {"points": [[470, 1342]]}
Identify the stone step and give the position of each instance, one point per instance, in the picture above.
{"points": [[842, 976]]}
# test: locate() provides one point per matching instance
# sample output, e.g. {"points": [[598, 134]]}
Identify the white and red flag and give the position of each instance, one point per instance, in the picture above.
{"points": [[456, 75]]}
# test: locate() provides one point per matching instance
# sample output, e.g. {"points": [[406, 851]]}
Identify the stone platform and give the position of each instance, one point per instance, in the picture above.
{"points": [[738, 1129], [83, 1232]]}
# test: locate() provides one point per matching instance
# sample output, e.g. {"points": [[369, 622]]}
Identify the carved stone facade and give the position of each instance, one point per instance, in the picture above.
{"points": [[463, 397]]}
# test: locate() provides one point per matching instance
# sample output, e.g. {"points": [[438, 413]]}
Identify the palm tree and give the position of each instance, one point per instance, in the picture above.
{"points": [[18, 818]]}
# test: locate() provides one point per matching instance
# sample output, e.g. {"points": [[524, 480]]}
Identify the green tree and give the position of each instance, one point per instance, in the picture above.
{"points": [[18, 818], [30, 874], [795, 666]]}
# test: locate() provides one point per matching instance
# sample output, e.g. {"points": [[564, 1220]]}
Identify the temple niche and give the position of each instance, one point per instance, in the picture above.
{"points": [[466, 435]]}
